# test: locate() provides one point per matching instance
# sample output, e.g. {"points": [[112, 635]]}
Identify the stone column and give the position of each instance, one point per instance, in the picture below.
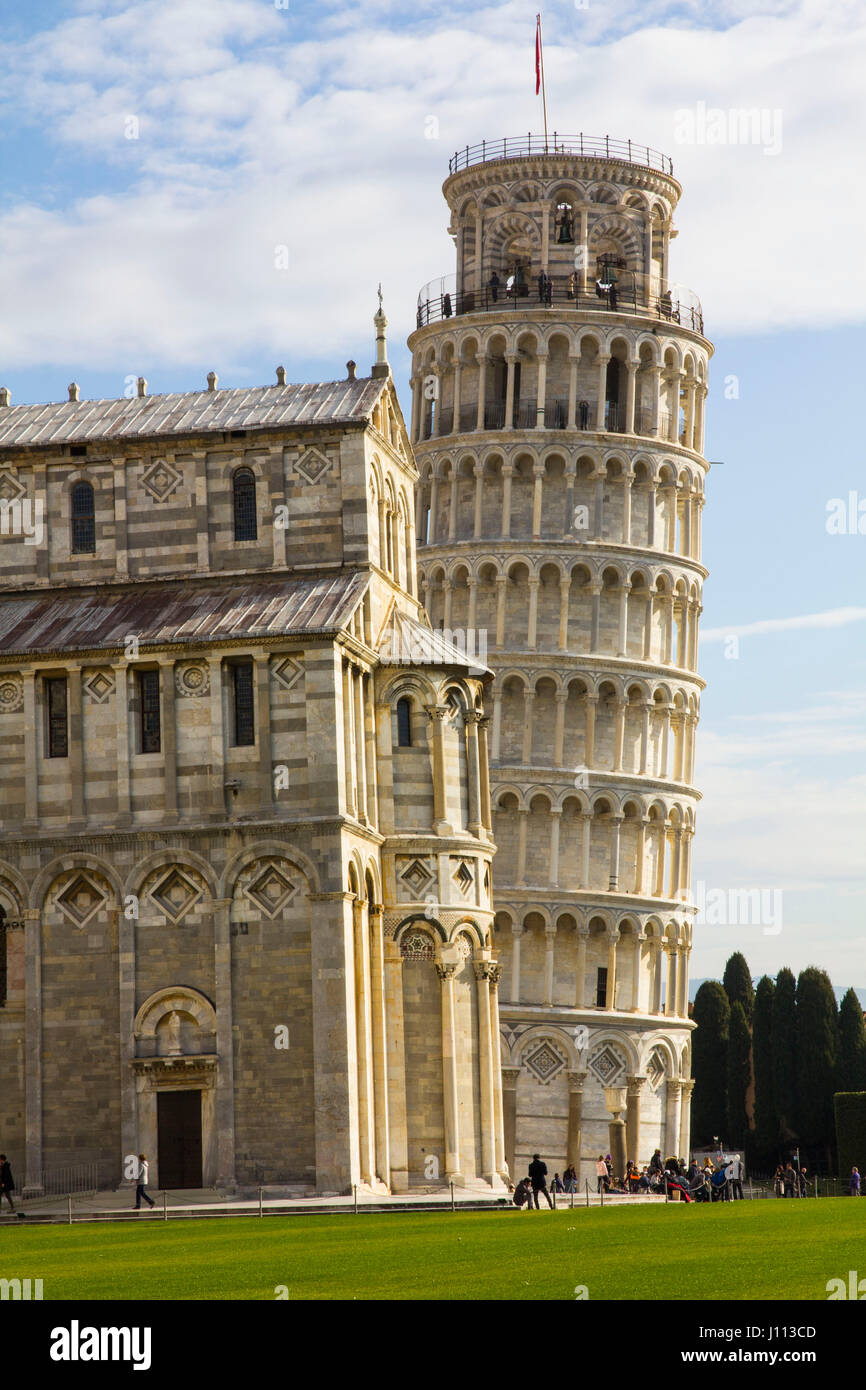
{"points": [[595, 591], [635, 972], [683, 983], [485, 1067], [479, 497], [620, 707], [169, 736], [586, 845], [396, 1067], [625, 590], [121, 553], [627, 481], [501, 582], [640, 876], [516, 934], [437, 714], [31, 748], [452, 504], [555, 817], [446, 968], [580, 970], [616, 823], [458, 382], [603, 359], [575, 1119], [380, 1043], [655, 400], [671, 989], [528, 707], [541, 390], [646, 706], [648, 627], [497, 723], [573, 362], [364, 1043], [434, 506], [481, 360], [672, 1118], [263, 727], [473, 772], [564, 591], [631, 368], [472, 613], [612, 939], [493, 977], [632, 1117], [225, 1085], [651, 516], [484, 774], [600, 478], [33, 1179], [357, 677], [532, 624], [507, 473], [559, 730], [549, 944], [686, 1088], [523, 816], [76, 749], [511, 359], [537, 495], [509, 1114]]}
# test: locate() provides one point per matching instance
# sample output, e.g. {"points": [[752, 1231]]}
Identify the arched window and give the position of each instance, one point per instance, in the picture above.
{"points": [[244, 502], [83, 522], [404, 723]]}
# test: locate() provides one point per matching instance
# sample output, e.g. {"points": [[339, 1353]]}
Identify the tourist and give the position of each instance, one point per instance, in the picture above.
{"points": [[493, 282], [569, 1178], [778, 1182], [7, 1182], [143, 1171], [583, 415], [656, 1165], [804, 1182], [538, 1178], [556, 1185], [602, 1175], [522, 1194], [854, 1185], [789, 1180], [735, 1178]]}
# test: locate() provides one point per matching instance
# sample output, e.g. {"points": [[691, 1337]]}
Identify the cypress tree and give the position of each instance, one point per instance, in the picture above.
{"points": [[738, 984], [709, 1062], [817, 1053], [766, 1114], [784, 1043], [739, 1076], [851, 1075]]}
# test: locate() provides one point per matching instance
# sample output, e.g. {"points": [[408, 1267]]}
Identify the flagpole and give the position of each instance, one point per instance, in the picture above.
{"points": [[543, 88]]}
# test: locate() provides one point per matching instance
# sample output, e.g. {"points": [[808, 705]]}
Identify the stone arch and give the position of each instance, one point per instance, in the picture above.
{"points": [[268, 849]]}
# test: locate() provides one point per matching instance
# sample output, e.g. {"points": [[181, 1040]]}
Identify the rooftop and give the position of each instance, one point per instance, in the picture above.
{"points": [[190, 412], [580, 146]]}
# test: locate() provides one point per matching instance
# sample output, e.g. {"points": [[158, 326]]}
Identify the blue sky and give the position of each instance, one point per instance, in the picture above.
{"points": [[154, 156]]}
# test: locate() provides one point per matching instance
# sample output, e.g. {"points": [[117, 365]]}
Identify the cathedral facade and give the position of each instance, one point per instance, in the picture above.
{"points": [[559, 379], [245, 836]]}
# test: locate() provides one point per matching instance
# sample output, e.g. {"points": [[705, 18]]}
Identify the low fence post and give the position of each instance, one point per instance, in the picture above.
{"points": [[586, 1184], [453, 1208], [164, 1205], [261, 1213], [69, 1208], [355, 1192]]}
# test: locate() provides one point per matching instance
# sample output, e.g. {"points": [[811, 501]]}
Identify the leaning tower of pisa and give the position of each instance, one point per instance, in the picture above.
{"points": [[559, 380]]}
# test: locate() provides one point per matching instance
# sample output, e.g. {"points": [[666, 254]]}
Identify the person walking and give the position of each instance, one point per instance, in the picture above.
{"points": [[804, 1182], [602, 1175], [789, 1178], [143, 1173], [538, 1178], [735, 1178], [854, 1184], [7, 1182]]}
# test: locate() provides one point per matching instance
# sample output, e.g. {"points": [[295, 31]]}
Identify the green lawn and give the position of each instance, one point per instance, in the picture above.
{"points": [[742, 1250]]}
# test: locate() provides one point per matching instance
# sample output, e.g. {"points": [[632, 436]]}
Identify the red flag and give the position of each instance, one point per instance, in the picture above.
{"points": [[537, 54]]}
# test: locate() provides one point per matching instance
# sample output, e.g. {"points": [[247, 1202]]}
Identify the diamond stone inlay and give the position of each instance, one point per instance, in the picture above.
{"points": [[607, 1064], [11, 487], [99, 685], [417, 876], [544, 1062], [288, 673], [271, 890], [161, 479], [312, 465], [80, 900], [176, 895]]}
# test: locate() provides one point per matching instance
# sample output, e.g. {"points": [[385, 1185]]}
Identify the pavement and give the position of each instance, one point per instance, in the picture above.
{"points": [[119, 1205]]}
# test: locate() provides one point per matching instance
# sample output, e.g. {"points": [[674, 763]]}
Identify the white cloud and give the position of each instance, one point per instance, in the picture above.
{"points": [[252, 133], [832, 618]]}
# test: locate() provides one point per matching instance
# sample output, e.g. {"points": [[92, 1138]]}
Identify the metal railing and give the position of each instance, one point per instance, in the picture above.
{"points": [[583, 146], [66, 1178], [682, 307]]}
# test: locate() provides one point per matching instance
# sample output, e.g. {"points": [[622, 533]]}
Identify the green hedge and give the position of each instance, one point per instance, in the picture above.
{"points": [[850, 1109]]}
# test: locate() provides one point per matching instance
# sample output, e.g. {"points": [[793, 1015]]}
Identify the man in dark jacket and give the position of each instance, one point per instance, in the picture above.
{"points": [[538, 1178], [7, 1182]]}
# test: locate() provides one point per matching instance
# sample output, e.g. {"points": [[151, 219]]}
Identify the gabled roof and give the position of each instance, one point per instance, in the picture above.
{"points": [[190, 412], [406, 642], [167, 615]]}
